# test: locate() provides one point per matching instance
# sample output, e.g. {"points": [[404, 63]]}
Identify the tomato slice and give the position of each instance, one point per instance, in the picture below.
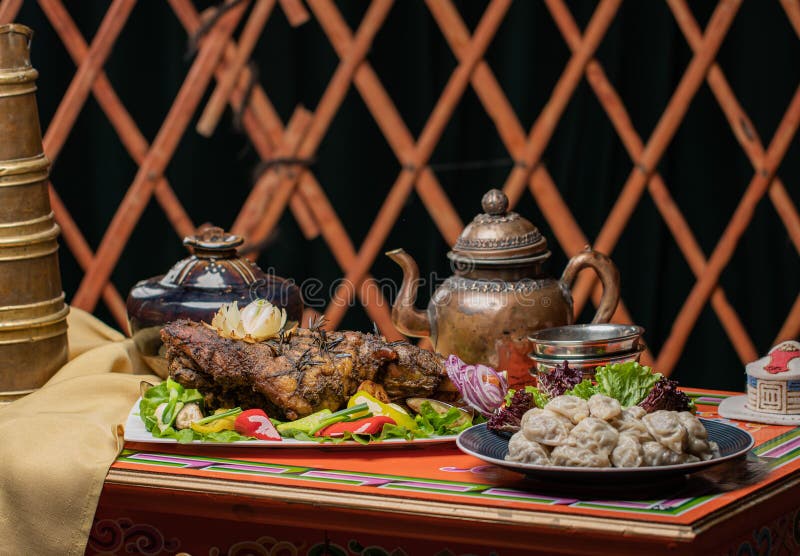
{"points": [[367, 425], [256, 423]]}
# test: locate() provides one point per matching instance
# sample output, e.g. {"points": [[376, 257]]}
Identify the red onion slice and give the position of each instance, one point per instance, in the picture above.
{"points": [[481, 386]]}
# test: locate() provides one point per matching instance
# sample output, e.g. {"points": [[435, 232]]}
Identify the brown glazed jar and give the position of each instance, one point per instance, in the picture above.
{"points": [[197, 286], [500, 292]]}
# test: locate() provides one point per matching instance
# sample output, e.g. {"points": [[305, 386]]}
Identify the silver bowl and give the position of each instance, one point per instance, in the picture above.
{"points": [[543, 364], [586, 340]]}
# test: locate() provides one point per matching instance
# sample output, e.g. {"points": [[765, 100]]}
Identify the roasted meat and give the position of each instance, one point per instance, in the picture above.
{"points": [[312, 370]]}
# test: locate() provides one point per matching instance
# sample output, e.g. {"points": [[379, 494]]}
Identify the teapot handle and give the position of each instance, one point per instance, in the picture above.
{"points": [[609, 276]]}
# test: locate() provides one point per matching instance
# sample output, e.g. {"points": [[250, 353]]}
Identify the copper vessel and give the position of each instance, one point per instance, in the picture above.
{"points": [[196, 287], [33, 328], [500, 292]]}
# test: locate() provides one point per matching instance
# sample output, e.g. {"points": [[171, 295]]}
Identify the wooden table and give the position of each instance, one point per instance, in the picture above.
{"points": [[434, 500]]}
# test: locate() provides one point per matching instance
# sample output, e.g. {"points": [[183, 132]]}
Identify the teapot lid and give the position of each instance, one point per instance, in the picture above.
{"points": [[214, 264], [499, 237]]}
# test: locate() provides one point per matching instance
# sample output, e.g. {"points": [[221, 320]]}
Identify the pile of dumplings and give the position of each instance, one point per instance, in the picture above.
{"points": [[574, 432]]}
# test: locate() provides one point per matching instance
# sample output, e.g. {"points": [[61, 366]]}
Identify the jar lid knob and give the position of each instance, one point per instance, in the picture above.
{"points": [[213, 242], [495, 202]]}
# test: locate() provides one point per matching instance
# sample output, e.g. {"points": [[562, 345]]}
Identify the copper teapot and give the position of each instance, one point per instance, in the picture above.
{"points": [[499, 293]]}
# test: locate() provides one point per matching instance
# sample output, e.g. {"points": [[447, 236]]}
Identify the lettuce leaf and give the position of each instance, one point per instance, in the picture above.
{"points": [[159, 394], [539, 397], [304, 436], [628, 383], [220, 436], [184, 436], [585, 389], [431, 422]]}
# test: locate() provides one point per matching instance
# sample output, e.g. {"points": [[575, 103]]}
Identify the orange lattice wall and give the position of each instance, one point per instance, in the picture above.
{"points": [[220, 67]]}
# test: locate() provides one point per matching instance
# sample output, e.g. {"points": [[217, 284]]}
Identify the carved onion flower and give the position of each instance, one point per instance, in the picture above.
{"points": [[258, 321]]}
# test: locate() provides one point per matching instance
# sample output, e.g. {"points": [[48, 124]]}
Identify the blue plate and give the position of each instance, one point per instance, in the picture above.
{"points": [[492, 448]]}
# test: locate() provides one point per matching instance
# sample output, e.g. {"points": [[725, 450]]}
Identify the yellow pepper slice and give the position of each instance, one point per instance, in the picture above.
{"points": [[376, 407], [222, 424]]}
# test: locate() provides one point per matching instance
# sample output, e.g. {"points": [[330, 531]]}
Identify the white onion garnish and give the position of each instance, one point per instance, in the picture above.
{"points": [[481, 387]]}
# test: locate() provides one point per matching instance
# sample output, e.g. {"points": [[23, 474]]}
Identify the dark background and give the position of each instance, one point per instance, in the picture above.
{"points": [[644, 55]]}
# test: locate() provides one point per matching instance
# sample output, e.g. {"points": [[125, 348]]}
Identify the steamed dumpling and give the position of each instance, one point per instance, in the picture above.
{"points": [[630, 421], [522, 450], [572, 407], [536, 411], [697, 436], [656, 454], [546, 427], [665, 427], [692, 425], [595, 435], [528, 415], [574, 432], [628, 452], [576, 456], [604, 407], [634, 412]]}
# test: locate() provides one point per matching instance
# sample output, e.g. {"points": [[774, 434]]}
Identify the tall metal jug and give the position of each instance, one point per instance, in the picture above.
{"points": [[33, 327]]}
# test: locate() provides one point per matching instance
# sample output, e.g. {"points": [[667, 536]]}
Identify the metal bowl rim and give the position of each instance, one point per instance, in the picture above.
{"points": [[579, 360], [635, 331]]}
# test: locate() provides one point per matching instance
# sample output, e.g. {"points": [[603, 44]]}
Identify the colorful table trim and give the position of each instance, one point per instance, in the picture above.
{"points": [[442, 476]]}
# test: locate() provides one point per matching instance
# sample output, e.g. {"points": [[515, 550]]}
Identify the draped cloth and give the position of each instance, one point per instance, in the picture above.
{"points": [[57, 444]]}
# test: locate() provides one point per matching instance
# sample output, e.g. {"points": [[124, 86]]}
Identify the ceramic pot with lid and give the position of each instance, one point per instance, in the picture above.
{"points": [[197, 286], [500, 292]]}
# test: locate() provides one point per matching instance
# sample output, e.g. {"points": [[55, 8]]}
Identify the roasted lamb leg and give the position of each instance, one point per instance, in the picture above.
{"points": [[311, 370]]}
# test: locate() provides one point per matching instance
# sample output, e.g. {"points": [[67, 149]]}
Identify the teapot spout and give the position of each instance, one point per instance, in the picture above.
{"points": [[406, 317]]}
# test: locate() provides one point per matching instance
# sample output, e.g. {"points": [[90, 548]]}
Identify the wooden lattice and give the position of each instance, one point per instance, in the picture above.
{"points": [[221, 57]]}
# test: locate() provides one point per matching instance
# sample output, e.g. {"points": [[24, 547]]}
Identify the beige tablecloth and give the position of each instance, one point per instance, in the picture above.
{"points": [[57, 444]]}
